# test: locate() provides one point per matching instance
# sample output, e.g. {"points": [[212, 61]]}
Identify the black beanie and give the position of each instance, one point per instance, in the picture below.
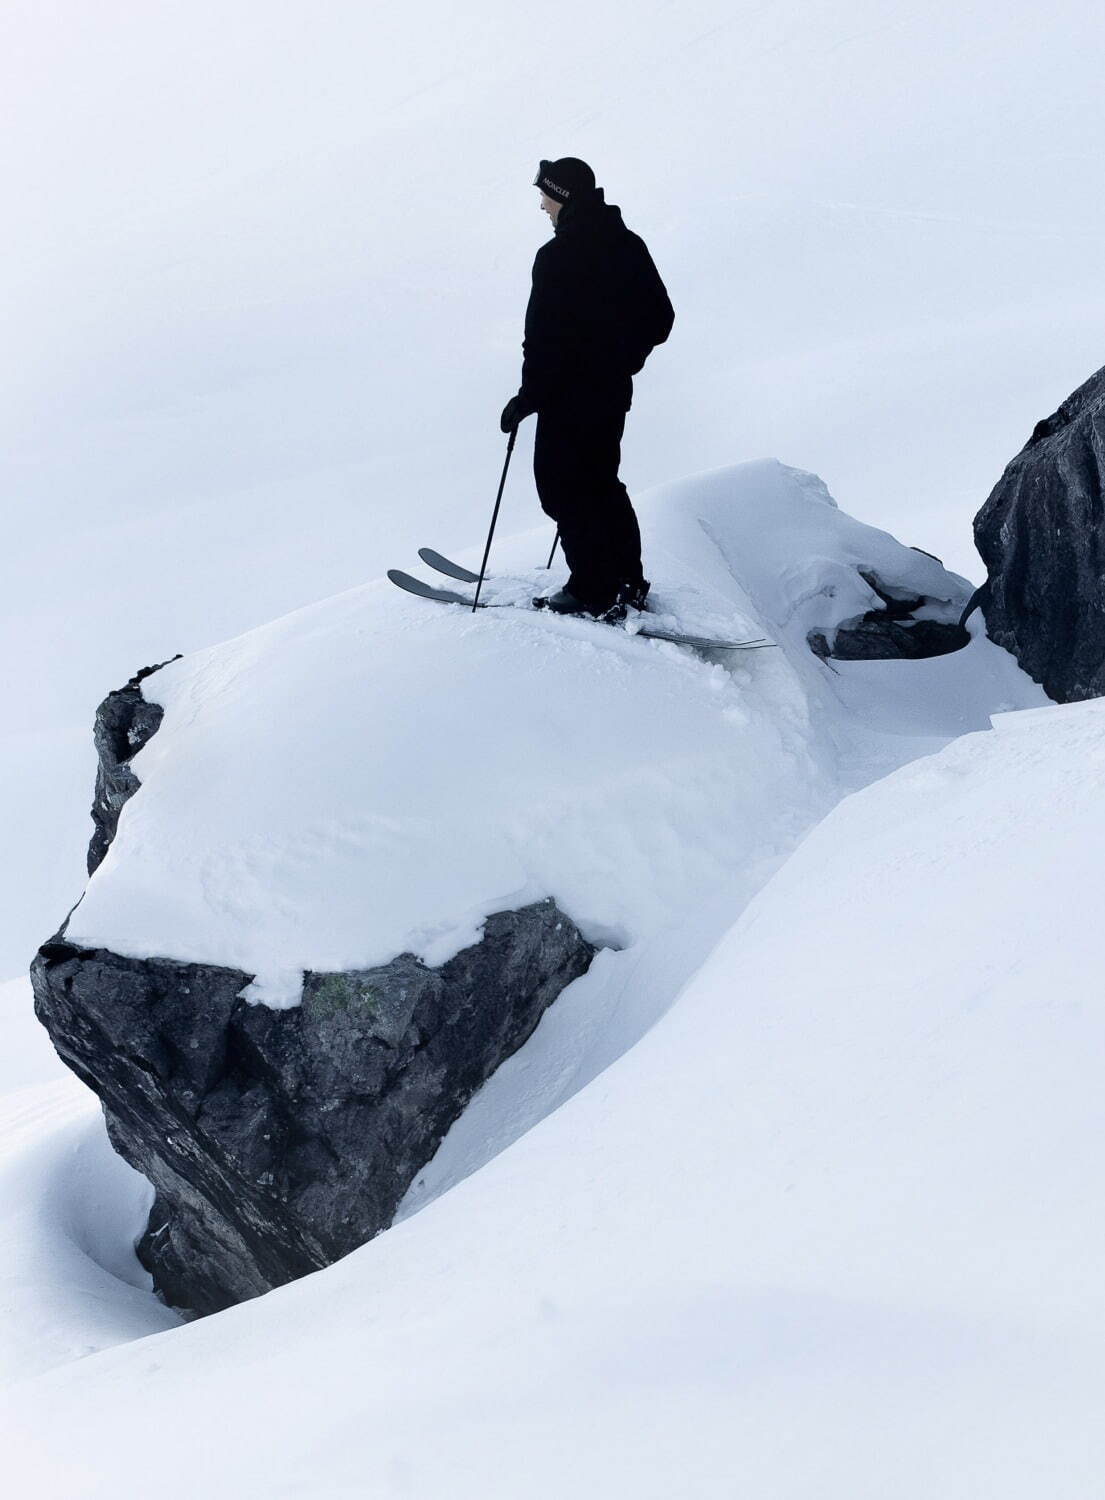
{"points": [[565, 179]]}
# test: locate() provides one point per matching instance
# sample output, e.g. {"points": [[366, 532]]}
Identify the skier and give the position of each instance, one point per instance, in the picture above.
{"points": [[596, 311]]}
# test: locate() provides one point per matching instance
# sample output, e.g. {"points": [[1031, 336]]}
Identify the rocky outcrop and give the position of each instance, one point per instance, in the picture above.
{"points": [[124, 723], [900, 625], [279, 1140], [1041, 535]]}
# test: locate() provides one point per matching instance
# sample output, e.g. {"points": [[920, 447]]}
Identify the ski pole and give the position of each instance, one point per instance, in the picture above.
{"points": [[552, 554], [494, 518]]}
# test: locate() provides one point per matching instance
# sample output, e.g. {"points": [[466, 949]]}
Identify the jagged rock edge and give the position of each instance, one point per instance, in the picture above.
{"points": [[125, 721]]}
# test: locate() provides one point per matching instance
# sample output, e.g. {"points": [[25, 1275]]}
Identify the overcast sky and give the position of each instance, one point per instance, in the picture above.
{"points": [[265, 267]]}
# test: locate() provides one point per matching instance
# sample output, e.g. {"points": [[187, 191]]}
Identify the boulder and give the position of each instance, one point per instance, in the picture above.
{"points": [[902, 625], [1041, 535], [279, 1140]]}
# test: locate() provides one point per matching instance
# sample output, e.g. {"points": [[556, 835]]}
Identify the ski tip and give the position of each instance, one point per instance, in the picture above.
{"points": [[404, 580], [445, 565], [419, 585], [426, 590]]}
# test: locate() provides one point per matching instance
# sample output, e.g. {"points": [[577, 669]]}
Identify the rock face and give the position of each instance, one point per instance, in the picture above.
{"points": [[124, 722], [899, 625], [1041, 535], [279, 1140]]}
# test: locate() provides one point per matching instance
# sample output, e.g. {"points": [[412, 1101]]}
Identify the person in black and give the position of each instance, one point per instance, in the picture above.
{"points": [[596, 311]]}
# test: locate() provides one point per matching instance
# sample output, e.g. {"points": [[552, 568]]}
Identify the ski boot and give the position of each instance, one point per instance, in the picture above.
{"points": [[629, 596], [561, 603]]}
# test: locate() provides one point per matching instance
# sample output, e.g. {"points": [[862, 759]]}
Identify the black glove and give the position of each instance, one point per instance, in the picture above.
{"points": [[514, 411]]}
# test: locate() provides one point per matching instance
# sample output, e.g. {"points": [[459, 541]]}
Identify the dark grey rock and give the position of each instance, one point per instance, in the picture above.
{"points": [[897, 603], [279, 1140], [908, 626], [124, 723], [1041, 535], [884, 639]]}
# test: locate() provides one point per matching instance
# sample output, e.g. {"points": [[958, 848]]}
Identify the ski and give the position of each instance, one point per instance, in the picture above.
{"points": [[447, 566], [425, 590]]}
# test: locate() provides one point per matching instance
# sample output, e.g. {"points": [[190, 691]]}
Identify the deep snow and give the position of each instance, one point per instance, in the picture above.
{"points": [[832, 1228]]}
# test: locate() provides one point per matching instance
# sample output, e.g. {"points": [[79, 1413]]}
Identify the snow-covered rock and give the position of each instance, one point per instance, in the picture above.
{"points": [[372, 774], [359, 796]]}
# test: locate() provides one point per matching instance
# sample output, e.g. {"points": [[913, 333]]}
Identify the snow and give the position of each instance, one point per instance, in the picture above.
{"points": [[70, 1211], [250, 361], [831, 1227], [374, 774], [653, 791]]}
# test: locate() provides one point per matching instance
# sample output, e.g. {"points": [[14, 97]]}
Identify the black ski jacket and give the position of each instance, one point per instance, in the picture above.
{"points": [[596, 311]]}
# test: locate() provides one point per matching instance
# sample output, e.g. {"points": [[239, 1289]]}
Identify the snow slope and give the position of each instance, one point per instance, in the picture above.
{"points": [[374, 773], [832, 1228]]}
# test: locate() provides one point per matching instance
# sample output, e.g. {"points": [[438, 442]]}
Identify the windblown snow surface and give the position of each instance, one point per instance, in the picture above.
{"points": [[794, 1194]]}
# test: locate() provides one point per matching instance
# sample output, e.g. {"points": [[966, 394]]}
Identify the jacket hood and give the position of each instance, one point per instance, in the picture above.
{"points": [[590, 211]]}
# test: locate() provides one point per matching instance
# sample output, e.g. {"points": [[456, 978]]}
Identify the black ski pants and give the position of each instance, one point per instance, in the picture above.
{"points": [[576, 453]]}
